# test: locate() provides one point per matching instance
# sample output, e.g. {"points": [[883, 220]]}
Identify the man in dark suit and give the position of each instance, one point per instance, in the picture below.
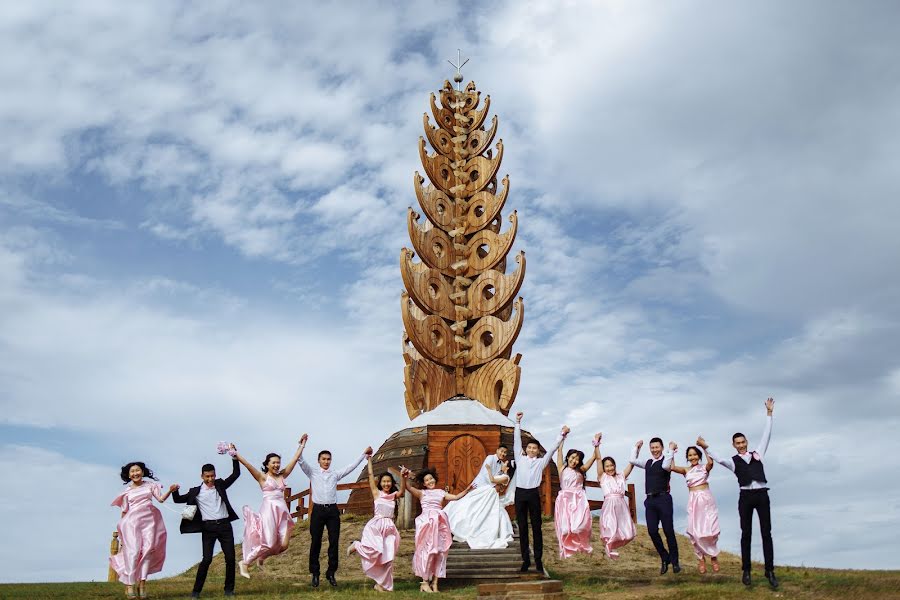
{"points": [[213, 520]]}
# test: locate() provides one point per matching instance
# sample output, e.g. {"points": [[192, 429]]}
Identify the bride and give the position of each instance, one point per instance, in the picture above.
{"points": [[479, 518]]}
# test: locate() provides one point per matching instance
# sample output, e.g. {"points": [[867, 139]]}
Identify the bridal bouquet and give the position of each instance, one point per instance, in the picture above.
{"points": [[225, 448]]}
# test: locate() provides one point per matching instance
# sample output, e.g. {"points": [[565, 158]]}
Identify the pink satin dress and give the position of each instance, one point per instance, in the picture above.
{"points": [[572, 515], [616, 526], [433, 537], [265, 531], [380, 542], [142, 534], [703, 514]]}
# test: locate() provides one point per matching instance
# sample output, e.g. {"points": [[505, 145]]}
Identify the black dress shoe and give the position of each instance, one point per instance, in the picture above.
{"points": [[315, 581], [331, 580], [539, 567], [229, 594], [195, 594], [525, 566], [665, 567], [745, 579], [770, 575], [676, 568]]}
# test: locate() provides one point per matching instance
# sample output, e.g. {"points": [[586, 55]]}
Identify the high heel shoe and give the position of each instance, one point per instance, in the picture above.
{"points": [[715, 565], [701, 566], [424, 587], [245, 572]]}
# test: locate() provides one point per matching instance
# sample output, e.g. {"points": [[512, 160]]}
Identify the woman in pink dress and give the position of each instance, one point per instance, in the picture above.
{"points": [[268, 532], [616, 526], [572, 515], [380, 539], [703, 514], [142, 533], [433, 536]]}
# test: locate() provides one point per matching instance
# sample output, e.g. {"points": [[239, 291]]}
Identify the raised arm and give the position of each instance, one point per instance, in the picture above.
{"points": [[402, 488], [545, 460], [594, 455], [517, 437], [293, 462], [627, 470], [165, 496], [669, 456], [304, 466], [672, 466], [352, 467], [767, 430], [560, 467], [709, 462], [373, 485], [599, 454], [405, 473], [636, 451], [257, 474], [728, 463], [235, 473]]}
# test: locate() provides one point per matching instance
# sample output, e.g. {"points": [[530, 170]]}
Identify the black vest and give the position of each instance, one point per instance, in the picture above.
{"points": [[656, 479], [748, 472]]}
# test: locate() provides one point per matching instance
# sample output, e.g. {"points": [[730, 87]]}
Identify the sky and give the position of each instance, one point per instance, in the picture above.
{"points": [[202, 208]]}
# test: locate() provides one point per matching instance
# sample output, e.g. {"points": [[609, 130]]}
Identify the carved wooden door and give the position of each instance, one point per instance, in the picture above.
{"points": [[464, 457]]}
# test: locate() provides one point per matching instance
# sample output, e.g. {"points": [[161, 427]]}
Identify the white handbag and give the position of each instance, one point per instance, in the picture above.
{"points": [[189, 511]]}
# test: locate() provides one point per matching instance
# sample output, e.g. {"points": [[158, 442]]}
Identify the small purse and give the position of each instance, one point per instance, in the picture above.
{"points": [[189, 511]]}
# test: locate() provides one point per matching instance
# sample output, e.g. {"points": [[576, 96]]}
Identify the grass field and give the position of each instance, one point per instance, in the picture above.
{"points": [[633, 576]]}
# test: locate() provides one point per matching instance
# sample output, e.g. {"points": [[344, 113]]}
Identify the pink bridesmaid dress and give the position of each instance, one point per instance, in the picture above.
{"points": [[572, 515], [380, 542], [703, 514], [616, 526], [265, 531], [433, 537], [142, 534]]}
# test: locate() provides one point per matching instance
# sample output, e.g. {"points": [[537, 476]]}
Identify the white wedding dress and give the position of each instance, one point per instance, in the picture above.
{"points": [[479, 518]]}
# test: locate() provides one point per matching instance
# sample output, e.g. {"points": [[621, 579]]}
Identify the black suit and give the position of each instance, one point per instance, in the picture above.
{"points": [[213, 531]]}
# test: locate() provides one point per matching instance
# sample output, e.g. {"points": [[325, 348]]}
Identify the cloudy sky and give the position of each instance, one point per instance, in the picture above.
{"points": [[202, 208]]}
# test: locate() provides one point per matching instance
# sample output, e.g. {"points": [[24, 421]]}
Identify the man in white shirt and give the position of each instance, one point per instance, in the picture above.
{"points": [[754, 494], [529, 473], [213, 520], [323, 481], [492, 461]]}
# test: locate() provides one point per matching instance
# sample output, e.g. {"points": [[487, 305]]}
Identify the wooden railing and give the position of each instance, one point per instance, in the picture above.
{"points": [[304, 498], [598, 504]]}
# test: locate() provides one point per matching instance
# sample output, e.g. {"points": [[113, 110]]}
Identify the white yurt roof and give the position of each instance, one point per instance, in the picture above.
{"points": [[462, 411]]}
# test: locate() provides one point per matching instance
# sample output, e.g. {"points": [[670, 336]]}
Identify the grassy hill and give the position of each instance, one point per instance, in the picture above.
{"points": [[633, 576]]}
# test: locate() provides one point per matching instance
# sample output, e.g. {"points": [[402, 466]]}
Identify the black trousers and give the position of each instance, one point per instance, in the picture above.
{"points": [[528, 506], [757, 500], [658, 509], [216, 531], [324, 515]]}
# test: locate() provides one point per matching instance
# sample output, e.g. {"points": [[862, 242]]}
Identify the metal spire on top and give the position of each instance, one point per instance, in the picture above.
{"points": [[458, 78]]}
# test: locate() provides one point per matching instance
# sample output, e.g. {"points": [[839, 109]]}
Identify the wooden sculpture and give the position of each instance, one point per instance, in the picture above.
{"points": [[460, 311]]}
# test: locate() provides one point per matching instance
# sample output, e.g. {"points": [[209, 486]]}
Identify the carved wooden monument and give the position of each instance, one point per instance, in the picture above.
{"points": [[460, 310]]}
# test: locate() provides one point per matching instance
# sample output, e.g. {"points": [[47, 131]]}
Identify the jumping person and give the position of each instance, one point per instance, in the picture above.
{"points": [[572, 515], [213, 521], [380, 539], [658, 503], [754, 495], [433, 536], [142, 533], [616, 525], [323, 481], [268, 532], [703, 514], [529, 473]]}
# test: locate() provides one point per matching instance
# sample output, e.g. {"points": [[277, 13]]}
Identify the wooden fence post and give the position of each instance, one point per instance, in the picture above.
{"points": [[113, 550], [632, 502], [309, 508], [287, 499]]}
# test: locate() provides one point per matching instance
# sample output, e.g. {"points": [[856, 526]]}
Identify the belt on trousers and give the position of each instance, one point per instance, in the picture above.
{"points": [[216, 521], [765, 489], [315, 504], [655, 494]]}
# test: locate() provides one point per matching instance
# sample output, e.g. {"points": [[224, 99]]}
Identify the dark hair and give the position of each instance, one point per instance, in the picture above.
{"points": [[269, 456], [144, 468], [420, 476], [511, 469], [207, 468], [737, 435], [699, 452], [610, 459], [656, 439], [504, 446], [381, 476], [328, 452]]}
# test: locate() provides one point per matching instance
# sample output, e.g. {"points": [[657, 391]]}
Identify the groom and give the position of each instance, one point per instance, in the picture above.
{"points": [[658, 503], [213, 521], [754, 495], [492, 462], [529, 473]]}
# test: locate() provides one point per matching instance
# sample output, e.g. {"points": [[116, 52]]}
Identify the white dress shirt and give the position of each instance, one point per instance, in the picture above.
{"points": [[667, 456], [210, 503], [529, 471], [324, 481], [760, 451], [482, 478]]}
